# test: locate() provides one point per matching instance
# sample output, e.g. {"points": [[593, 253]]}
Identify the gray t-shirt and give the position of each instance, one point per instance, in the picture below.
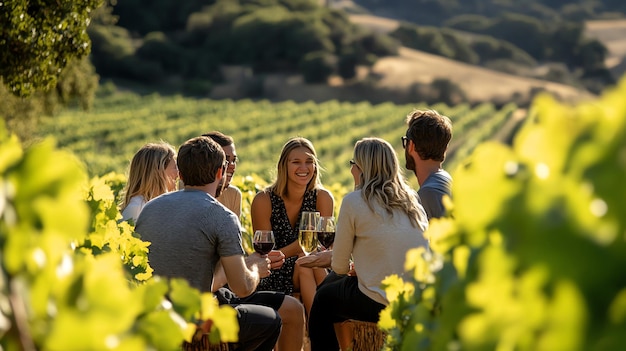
{"points": [[189, 231], [432, 191]]}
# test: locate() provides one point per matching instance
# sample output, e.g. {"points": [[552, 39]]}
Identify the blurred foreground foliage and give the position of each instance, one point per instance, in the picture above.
{"points": [[72, 278], [533, 256]]}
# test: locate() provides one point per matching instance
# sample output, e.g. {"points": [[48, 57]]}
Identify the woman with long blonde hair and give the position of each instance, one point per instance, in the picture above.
{"points": [[297, 188], [152, 172], [377, 224]]}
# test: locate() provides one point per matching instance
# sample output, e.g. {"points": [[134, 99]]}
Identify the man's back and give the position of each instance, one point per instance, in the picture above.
{"points": [[432, 191], [189, 231]]}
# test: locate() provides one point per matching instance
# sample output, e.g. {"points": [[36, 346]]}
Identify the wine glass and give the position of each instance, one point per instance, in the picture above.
{"points": [[263, 241], [326, 231], [307, 235]]}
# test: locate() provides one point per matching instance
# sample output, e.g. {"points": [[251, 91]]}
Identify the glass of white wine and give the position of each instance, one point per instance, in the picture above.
{"points": [[307, 234]]}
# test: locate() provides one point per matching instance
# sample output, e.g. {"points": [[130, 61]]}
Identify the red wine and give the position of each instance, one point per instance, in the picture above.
{"points": [[263, 247], [326, 238]]}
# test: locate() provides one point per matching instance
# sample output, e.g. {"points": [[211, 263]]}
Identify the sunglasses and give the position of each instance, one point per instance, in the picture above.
{"points": [[405, 141], [232, 159]]}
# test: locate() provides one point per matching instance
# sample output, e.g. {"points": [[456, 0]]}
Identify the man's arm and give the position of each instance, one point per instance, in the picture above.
{"points": [[242, 279], [219, 276]]}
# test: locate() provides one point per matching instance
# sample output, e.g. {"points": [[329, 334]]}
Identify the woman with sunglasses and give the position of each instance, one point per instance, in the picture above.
{"points": [[230, 196], [378, 223]]}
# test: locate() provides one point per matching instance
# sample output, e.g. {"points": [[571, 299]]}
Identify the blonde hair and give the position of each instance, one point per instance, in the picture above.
{"points": [[146, 174], [279, 187], [382, 180]]}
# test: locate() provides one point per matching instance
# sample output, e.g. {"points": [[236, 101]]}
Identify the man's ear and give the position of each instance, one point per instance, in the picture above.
{"points": [[220, 182]]}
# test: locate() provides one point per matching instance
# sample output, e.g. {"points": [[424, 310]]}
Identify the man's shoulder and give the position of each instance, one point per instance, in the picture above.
{"points": [[438, 180]]}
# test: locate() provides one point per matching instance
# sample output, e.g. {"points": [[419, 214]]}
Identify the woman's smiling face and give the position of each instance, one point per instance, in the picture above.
{"points": [[300, 166], [231, 157]]}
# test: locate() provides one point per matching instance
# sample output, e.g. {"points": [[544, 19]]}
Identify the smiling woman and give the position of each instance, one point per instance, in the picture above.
{"points": [[228, 194], [297, 188]]}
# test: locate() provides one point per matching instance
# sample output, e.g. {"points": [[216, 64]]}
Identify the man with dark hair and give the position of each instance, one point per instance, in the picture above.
{"points": [[425, 145], [230, 196], [191, 233]]}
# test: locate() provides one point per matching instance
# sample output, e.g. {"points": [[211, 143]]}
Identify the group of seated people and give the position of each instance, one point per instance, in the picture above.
{"points": [[195, 232]]}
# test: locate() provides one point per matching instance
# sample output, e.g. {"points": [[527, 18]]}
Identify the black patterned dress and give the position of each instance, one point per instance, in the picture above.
{"points": [[284, 234]]}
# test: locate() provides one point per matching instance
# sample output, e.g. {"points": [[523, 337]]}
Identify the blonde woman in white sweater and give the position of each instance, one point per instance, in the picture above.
{"points": [[377, 224], [152, 172]]}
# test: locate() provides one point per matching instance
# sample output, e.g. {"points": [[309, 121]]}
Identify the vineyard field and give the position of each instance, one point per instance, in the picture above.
{"points": [[106, 137]]}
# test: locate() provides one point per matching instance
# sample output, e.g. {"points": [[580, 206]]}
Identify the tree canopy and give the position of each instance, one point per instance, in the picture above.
{"points": [[38, 38]]}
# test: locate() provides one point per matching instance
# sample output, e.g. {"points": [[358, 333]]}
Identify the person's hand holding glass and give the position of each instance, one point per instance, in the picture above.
{"points": [[325, 236], [263, 241]]}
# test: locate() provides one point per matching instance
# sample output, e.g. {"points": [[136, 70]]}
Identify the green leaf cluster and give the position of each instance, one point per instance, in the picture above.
{"points": [[71, 277], [533, 255]]}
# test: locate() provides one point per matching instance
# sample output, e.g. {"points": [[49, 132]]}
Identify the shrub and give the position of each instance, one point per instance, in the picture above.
{"points": [[197, 87], [158, 48], [462, 51], [469, 22], [490, 49], [110, 46], [448, 92], [317, 66], [427, 39], [379, 44], [346, 66], [137, 69]]}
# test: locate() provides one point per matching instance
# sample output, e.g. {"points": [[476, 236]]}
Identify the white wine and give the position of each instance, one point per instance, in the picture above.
{"points": [[308, 240]]}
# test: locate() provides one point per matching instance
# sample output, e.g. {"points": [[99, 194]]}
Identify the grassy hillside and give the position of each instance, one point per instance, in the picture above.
{"points": [[479, 83]]}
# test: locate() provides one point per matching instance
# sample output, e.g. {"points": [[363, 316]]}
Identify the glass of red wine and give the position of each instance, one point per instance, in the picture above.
{"points": [[326, 231], [263, 241]]}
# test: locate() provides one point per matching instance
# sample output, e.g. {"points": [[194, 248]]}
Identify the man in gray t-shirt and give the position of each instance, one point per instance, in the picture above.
{"points": [[425, 145], [190, 232]]}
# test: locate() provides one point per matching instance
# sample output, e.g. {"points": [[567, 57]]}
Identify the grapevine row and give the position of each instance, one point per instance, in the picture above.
{"points": [[107, 137]]}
